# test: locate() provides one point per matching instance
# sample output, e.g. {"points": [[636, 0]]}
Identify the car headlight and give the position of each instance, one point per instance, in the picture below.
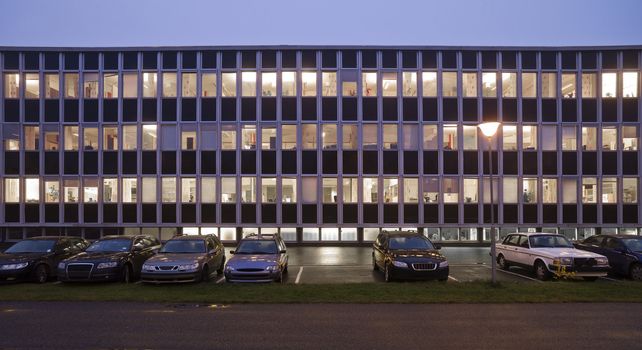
{"points": [[443, 263], [399, 263], [229, 268], [563, 261], [272, 268], [149, 267], [14, 266], [188, 267], [107, 265], [602, 261], [61, 265]]}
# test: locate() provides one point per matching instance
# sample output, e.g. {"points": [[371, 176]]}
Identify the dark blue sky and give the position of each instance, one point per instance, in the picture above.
{"points": [[333, 22]]}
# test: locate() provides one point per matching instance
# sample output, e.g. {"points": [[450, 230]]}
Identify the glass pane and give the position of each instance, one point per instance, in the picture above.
{"points": [[329, 190], [369, 84], [309, 189], [248, 137], [52, 192], [149, 189], [350, 190], [11, 85], [589, 190], [410, 190], [209, 85], [390, 190], [589, 138], [130, 85], [630, 190], [228, 80], [268, 138], [430, 137], [228, 137], [208, 190], [129, 137], [609, 190], [630, 138], [370, 136], [90, 85], [509, 137], [470, 84], [189, 84], [309, 136], [529, 84], [609, 138], [110, 138], [288, 189], [110, 190], [471, 190], [451, 190], [90, 139], [509, 84], [569, 191], [589, 85], [52, 86], [569, 138], [530, 191], [248, 87], [188, 190], [568, 85], [329, 136], [329, 81], [110, 85], [32, 86], [630, 84], [288, 83], [129, 191], [450, 137], [288, 137], [168, 189], [248, 189], [188, 140], [268, 84], [549, 138], [549, 188], [609, 85], [150, 81], [309, 80], [32, 190], [510, 190], [72, 85], [410, 84], [549, 85], [529, 137], [32, 138], [370, 190], [268, 190], [389, 84], [149, 137], [170, 85], [429, 80], [389, 136], [431, 190], [470, 137], [489, 84], [349, 137], [449, 84], [228, 190]]}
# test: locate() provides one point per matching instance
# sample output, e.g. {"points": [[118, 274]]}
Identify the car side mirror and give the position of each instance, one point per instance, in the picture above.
{"points": [[282, 251], [212, 251], [231, 252], [437, 246], [138, 248]]}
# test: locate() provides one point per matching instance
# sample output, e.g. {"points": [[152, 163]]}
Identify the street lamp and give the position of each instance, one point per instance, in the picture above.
{"points": [[489, 130]]}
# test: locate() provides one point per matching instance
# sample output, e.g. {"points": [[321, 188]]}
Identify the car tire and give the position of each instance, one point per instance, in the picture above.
{"points": [[221, 268], [501, 261], [285, 270], [280, 278], [387, 274], [205, 274], [374, 264], [541, 272], [635, 272], [41, 274], [126, 275], [590, 278]]}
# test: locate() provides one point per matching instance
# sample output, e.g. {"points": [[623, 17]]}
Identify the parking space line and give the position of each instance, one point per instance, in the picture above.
{"points": [[453, 278], [220, 279], [610, 279], [298, 275], [516, 274]]}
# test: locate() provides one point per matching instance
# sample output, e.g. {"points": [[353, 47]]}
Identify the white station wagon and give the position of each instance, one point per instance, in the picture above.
{"points": [[549, 255]]}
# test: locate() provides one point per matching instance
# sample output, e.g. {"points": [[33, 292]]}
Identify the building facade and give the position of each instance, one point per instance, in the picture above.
{"points": [[323, 144]]}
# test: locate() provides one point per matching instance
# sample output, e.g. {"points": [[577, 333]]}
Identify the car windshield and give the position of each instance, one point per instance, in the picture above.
{"points": [[33, 246], [183, 246], [410, 243], [257, 247], [550, 241], [634, 244], [110, 245]]}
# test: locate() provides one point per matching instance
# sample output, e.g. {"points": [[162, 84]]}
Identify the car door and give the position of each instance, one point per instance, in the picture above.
{"points": [[615, 251], [522, 253], [212, 253], [377, 250], [509, 246]]}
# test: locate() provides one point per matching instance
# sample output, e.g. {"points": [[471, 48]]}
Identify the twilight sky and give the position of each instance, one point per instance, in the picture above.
{"points": [[320, 22]]}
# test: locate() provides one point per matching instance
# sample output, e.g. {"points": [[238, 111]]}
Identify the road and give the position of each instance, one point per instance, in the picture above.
{"points": [[80, 325]]}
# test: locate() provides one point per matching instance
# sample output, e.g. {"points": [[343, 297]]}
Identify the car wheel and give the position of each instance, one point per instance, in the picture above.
{"points": [[501, 261], [279, 279], [126, 276], [285, 269], [41, 274], [221, 268], [387, 275], [541, 272], [374, 264], [590, 279], [636, 272], [205, 274]]}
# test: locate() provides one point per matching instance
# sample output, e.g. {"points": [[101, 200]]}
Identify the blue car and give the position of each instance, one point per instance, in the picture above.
{"points": [[623, 251]]}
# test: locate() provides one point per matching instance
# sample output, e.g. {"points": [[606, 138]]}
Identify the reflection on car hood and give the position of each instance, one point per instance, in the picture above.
{"points": [[564, 252], [97, 256], [19, 257], [250, 260], [418, 254], [175, 259]]}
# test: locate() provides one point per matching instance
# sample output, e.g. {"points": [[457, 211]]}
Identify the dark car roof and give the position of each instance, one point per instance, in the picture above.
{"points": [[266, 237], [46, 238], [619, 236], [190, 238], [402, 234], [118, 237]]}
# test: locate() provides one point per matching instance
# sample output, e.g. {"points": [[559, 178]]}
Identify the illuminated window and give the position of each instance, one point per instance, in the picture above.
{"points": [[32, 190], [589, 85], [268, 190], [130, 186], [188, 83], [208, 189], [470, 137], [529, 194], [429, 83], [11, 190], [309, 136], [529, 137], [110, 85], [208, 88], [609, 138], [228, 82], [410, 84], [130, 85], [52, 191], [569, 191], [288, 137], [188, 140], [248, 189], [509, 137], [349, 137], [228, 137], [510, 190], [410, 137], [410, 190], [630, 190], [32, 137], [549, 138], [149, 189], [228, 189], [288, 83], [370, 136], [71, 138], [469, 81], [32, 86], [110, 138], [188, 190], [309, 87], [309, 189], [370, 190], [349, 83], [450, 136], [52, 86], [389, 84], [609, 190], [11, 85], [329, 190], [569, 138], [486, 184], [90, 139], [450, 189], [549, 191], [170, 85], [549, 85], [589, 138], [268, 138], [609, 84], [329, 136], [431, 190], [329, 82], [390, 190], [430, 137], [90, 191], [369, 83], [471, 190], [72, 85], [130, 137], [288, 188], [589, 190], [52, 140], [629, 138], [71, 191], [390, 136], [149, 137], [150, 82], [90, 85], [630, 84], [509, 84], [268, 84], [529, 84], [168, 189], [350, 190], [449, 82], [248, 136], [568, 85], [489, 84], [110, 190], [248, 84]]}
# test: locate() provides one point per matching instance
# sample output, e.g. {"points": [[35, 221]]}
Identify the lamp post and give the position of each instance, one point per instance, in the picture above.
{"points": [[489, 130]]}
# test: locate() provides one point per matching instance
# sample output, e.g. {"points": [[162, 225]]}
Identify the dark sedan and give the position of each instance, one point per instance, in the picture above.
{"points": [[408, 255], [112, 258], [36, 258], [623, 251]]}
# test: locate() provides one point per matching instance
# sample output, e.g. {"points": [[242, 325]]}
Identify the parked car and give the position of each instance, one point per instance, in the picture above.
{"points": [[185, 259], [36, 258], [623, 251], [258, 258], [408, 255], [111, 258], [550, 255]]}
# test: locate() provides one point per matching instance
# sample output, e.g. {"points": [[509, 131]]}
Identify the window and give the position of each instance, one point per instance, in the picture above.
{"points": [[130, 187], [431, 190], [609, 190], [170, 86], [629, 190], [11, 85], [90, 139], [130, 85], [248, 84], [32, 190], [149, 84], [450, 136], [268, 190], [188, 84], [449, 82], [268, 138], [309, 136], [390, 190], [329, 136], [529, 194], [288, 187], [630, 84], [329, 82], [268, 84], [228, 189], [329, 190], [349, 137], [71, 138], [549, 189], [569, 191], [309, 189], [568, 85], [248, 136], [110, 138], [248, 189], [589, 190], [489, 84], [370, 136], [629, 138], [110, 190], [149, 137], [609, 138], [509, 137], [51, 140], [389, 84], [510, 190], [349, 83], [71, 191], [130, 137], [288, 137], [288, 83], [569, 138], [168, 139], [208, 82], [208, 136], [370, 190], [589, 85], [32, 137], [486, 183], [469, 81], [529, 137], [549, 138], [549, 85], [410, 137], [309, 80], [90, 191], [90, 85], [168, 189], [188, 140], [430, 137], [149, 189], [188, 190], [529, 84], [471, 190], [609, 85], [110, 85], [208, 190], [589, 138], [450, 189], [32, 86], [228, 137], [71, 85], [52, 86], [410, 190], [389, 136], [11, 190], [470, 137], [429, 83], [228, 82], [369, 83], [409, 84], [509, 84], [52, 191], [350, 190]]}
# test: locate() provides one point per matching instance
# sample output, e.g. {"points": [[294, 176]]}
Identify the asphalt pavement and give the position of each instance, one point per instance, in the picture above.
{"points": [[110, 325]]}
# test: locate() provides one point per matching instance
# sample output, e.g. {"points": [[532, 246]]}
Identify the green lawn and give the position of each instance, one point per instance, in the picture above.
{"points": [[429, 292]]}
